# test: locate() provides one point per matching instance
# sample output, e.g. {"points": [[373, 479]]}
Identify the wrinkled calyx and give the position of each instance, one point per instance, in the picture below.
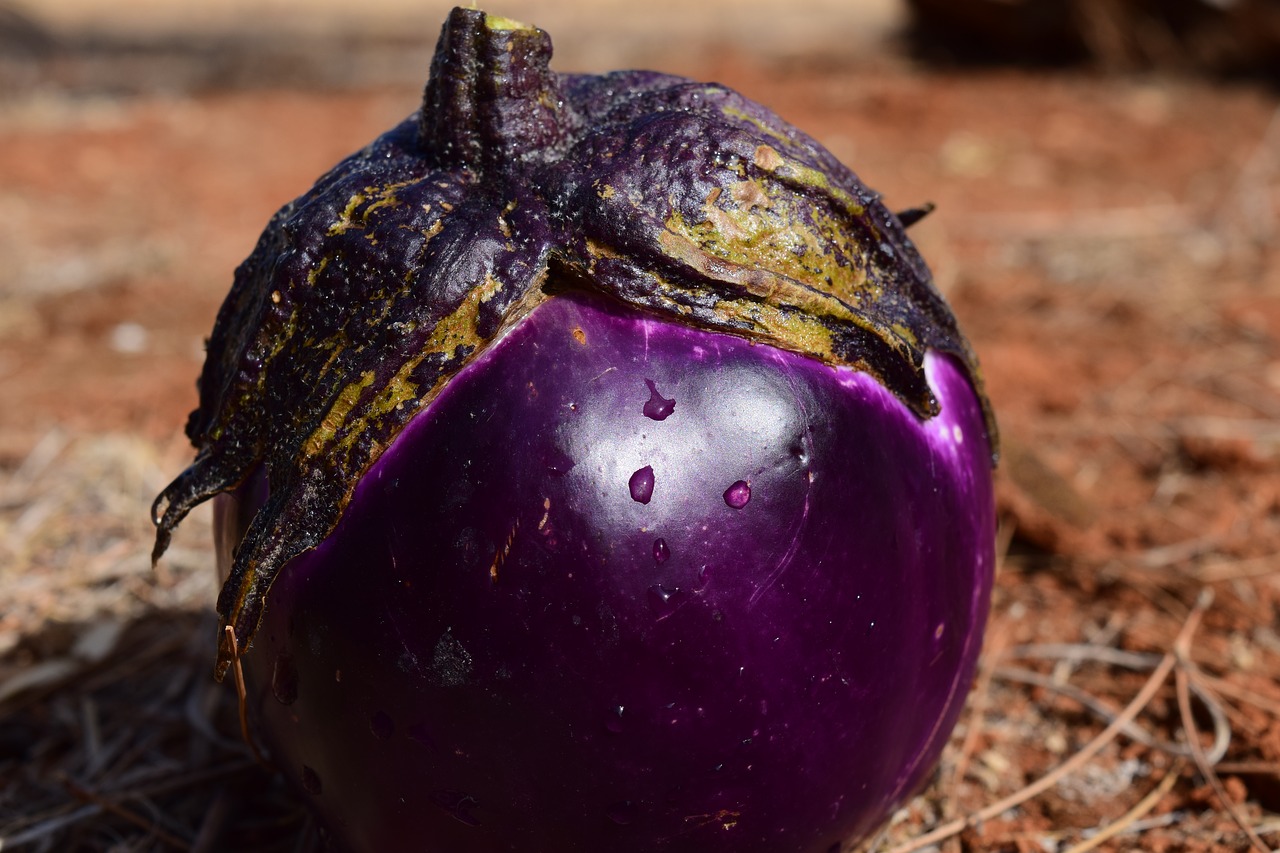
{"points": [[366, 295]]}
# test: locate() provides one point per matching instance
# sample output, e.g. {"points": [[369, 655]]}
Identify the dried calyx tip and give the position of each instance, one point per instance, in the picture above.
{"points": [[912, 215], [492, 99]]}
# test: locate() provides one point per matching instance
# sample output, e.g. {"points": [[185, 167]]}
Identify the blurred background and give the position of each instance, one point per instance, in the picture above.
{"points": [[1105, 173]]}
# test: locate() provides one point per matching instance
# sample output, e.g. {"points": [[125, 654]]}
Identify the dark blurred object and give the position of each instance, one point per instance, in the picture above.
{"points": [[23, 43], [116, 61], [1215, 36], [21, 34]]}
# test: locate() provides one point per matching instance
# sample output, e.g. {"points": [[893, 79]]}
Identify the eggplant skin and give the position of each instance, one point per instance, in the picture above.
{"points": [[491, 651]]}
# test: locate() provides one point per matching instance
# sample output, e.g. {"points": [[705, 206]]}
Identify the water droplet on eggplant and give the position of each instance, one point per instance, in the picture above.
{"points": [[738, 495], [284, 680], [657, 407], [641, 485], [663, 601]]}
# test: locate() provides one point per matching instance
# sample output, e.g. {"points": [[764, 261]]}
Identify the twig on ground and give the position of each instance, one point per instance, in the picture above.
{"points": [[170, 784], [1131, 817], [1093, 704], [1178, 552], [85, 795], [1250, 193], [48, 827], [1226, 570], [1085, 652], [1102, 636], [214, 822], [1269, 768], [1182, 678], [977, 714], [1086, 753], [42, 454]]}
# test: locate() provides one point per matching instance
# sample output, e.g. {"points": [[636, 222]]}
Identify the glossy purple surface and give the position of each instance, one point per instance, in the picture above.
{"points": [[501, 649]]}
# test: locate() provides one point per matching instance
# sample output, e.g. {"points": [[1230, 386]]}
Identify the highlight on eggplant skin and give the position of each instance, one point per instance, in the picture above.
{"points": [[423, 412]]}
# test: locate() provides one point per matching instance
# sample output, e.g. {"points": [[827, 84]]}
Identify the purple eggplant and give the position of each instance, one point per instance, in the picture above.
{"points": [[599, 469]]}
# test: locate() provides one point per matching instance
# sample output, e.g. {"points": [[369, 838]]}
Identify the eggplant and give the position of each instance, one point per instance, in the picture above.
{"points": [[597, 468]]}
